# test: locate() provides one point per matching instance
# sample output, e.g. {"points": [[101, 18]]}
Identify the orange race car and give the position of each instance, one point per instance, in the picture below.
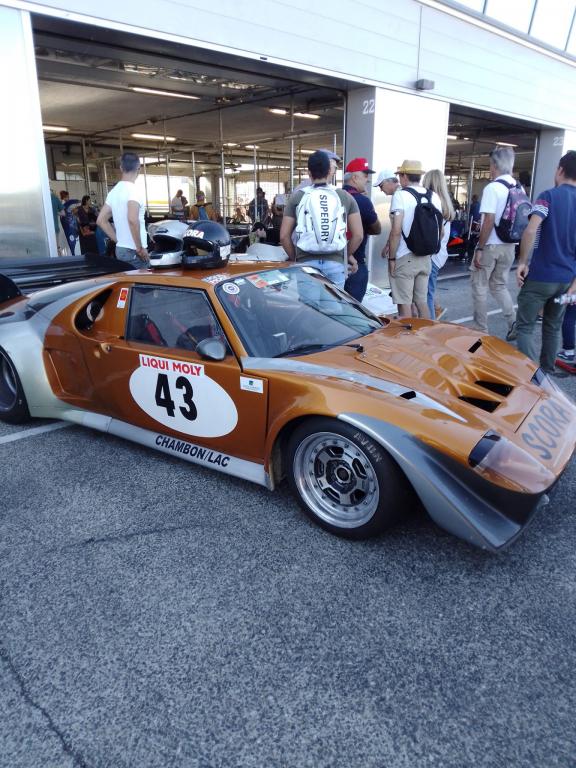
{"points": [[268, 371]]}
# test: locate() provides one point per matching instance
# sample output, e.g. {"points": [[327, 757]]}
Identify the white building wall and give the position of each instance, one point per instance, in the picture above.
{"points": [[376, 42]]}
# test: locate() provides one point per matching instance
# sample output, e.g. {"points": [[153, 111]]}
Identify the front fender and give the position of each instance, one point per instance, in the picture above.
{"points": [[455, 497]]}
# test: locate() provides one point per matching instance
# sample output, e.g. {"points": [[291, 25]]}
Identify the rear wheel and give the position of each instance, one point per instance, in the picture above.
{"points": [[344, 480], [13, 405]]}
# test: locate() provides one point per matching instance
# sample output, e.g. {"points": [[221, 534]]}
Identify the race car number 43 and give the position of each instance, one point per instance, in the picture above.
{"points": [[178, 394]]}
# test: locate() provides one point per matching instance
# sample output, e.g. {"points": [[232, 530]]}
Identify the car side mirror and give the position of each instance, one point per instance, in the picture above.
{"points": [[211, 349]]}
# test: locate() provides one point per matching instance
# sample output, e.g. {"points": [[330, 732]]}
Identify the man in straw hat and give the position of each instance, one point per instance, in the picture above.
{"points": [[409, 273]]}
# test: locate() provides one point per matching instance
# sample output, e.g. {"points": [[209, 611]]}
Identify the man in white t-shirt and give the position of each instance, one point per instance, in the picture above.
{"points": [[408, 273], [492, 258], [125, 204]]}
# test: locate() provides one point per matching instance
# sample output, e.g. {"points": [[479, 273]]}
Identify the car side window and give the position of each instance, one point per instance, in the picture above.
{"points": [[171, 317]]}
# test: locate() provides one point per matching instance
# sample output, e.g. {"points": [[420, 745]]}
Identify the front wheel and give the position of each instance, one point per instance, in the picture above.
{"points": [[13, 405], [344, 480]]}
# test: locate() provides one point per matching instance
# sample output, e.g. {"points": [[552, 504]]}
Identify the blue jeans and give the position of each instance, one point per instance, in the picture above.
{"points": [[432, 289], [129, 255], [357, 283], [333, 270], [569, 327]]}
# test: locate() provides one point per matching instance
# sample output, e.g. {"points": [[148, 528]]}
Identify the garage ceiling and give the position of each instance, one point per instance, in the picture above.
{"points": [[86, 76], [87, 86]]}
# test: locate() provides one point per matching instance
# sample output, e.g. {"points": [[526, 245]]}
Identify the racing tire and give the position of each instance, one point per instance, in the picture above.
{"points": [[344, 480], [13, 405]]}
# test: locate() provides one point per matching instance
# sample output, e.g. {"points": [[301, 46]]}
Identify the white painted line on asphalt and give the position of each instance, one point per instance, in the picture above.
{"points": [[33, 432], [468, 319]]}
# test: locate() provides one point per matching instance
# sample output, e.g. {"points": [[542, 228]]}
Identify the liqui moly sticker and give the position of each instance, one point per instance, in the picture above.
{"points": [[174, 366], [180, 395], [122, 298]]}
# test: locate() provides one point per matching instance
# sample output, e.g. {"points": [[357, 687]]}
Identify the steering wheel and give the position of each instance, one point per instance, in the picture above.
{"points": [[187, 341]]}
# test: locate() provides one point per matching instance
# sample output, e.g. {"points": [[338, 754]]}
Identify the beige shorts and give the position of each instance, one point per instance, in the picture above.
{"points": [[410, 282]]}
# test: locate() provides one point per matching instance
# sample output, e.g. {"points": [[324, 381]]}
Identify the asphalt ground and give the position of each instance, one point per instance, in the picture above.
{"points": [[156, 614]]}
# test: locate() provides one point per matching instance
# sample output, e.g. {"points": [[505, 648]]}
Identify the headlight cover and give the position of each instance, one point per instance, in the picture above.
{"points": [[500, 461]]}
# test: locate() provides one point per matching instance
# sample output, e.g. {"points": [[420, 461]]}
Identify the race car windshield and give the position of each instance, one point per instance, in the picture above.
{"points": [[292, 311]]}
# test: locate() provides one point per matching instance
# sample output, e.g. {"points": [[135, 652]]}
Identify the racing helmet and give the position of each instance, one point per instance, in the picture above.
{"points": [[206, 244], [166, 243]]}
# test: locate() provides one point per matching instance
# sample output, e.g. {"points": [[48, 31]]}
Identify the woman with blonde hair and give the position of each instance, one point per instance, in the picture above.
{"points": [[436, 181]]}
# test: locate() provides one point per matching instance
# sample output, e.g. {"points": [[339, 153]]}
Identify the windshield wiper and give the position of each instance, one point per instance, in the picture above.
{"points": [[304, 348]]}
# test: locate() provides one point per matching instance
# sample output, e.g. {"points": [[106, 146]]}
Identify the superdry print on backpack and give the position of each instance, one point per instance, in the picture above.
{"points": [[320, 221], [425, 236], [515, 216]]}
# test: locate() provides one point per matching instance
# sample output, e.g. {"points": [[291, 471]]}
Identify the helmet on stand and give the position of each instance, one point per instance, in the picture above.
{"points": [[206, 244]]}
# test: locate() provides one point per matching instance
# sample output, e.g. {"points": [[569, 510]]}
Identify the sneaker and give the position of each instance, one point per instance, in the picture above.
{"points": [[440, 312], [512, 334], [566, 357], [539, 318]]}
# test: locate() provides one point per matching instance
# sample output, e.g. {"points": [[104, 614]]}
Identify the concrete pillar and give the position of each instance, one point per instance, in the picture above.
{"points": [[26, 223], [550, 150], [387, 127]]}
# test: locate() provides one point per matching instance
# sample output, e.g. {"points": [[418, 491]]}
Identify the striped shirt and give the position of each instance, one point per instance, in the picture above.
{"points": [[554, 255]]}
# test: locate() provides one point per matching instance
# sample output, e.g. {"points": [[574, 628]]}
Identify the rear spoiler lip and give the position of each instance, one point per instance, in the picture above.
{"points": [[31, 274]]}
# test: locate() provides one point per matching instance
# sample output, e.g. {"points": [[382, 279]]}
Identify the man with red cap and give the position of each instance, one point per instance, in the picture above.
{"points": [[356, 177]]}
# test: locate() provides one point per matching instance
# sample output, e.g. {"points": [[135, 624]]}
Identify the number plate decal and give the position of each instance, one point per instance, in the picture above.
{"points": [[179, 394]]}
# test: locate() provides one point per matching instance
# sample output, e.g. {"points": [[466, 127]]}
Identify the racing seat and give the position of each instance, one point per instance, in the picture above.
{"points": [[143, 328]]}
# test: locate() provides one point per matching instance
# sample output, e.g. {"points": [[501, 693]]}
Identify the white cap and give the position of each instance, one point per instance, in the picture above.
{"points": [[386, 174]]}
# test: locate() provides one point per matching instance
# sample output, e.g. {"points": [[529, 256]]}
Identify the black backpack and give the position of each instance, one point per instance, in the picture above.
{"points": [[515, 216], [425, 236]]}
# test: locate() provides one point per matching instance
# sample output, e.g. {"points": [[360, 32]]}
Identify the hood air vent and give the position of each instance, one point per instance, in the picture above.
{"points": [[496, 386], [485, 405]]}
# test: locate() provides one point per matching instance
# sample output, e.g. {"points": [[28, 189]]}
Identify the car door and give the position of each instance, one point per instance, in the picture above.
{"points": [[153, 378]]}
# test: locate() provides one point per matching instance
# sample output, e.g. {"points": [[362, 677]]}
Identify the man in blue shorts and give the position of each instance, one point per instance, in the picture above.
{"points": [[551, 232]]}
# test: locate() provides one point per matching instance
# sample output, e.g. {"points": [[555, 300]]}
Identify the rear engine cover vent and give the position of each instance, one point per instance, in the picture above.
{"points": [[485, 405], [496, 386], [475, 346]]}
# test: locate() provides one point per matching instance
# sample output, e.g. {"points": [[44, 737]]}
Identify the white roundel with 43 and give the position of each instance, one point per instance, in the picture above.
{"points": [[179, 395]]}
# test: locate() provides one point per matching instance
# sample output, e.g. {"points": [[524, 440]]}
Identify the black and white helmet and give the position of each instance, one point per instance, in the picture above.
{"points": [[206, 244], [166, 242]]}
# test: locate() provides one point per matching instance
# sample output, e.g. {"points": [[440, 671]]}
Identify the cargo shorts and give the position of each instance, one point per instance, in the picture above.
{"points": [[410, 282]]}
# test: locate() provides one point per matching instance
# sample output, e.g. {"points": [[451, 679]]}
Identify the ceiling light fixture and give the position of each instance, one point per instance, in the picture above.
{"points": [[504, 144], [154, 92], [251, 146], [230, 144], [277, 111], [451, 137], [152, 137], [307, 115], [55, 129]]}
